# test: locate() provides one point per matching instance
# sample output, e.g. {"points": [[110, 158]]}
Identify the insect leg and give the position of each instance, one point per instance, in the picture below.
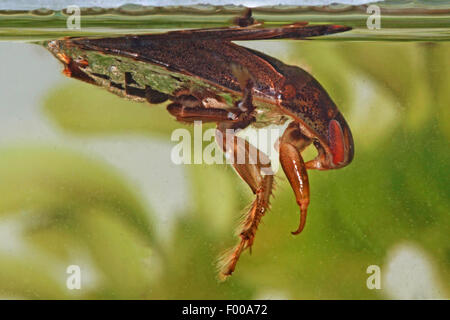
{"points": [[297, 30], [152, 96], [253, 166], [245, 20], [291, 144], [187, 108], [246, 83], [339, 149], [185, 113]]}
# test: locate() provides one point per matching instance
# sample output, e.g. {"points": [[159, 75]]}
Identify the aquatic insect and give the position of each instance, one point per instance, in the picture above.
{"points": [[207, 77]]}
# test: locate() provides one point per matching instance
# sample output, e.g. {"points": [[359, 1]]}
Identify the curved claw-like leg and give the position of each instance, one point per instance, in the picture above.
{"points": [[253, 166], [291, 144]]}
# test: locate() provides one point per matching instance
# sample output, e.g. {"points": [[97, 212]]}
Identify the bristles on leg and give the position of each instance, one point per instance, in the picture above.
{"points": [[247, 230]]}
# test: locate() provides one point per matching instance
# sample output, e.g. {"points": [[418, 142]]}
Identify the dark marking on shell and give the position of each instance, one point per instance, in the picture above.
{"points": [[154, 96]]}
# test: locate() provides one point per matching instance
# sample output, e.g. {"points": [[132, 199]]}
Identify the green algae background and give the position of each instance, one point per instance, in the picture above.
{"points": [[394, 96]]}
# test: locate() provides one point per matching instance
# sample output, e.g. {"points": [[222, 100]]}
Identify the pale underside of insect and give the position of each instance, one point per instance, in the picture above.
{"points": [[209, 78]]}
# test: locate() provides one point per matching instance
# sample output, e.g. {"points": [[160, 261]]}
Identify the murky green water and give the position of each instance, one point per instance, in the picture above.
{"points": [[86, 177]]}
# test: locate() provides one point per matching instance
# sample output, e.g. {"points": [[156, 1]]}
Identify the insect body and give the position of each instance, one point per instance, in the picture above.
{"points": [[209, 78]]}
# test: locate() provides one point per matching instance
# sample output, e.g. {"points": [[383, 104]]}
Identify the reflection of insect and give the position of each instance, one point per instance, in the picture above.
{"points": [[209, 78]]}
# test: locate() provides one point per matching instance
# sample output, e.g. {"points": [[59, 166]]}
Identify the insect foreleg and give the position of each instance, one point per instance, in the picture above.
{"points": [[191, 114], [291, 144]]}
